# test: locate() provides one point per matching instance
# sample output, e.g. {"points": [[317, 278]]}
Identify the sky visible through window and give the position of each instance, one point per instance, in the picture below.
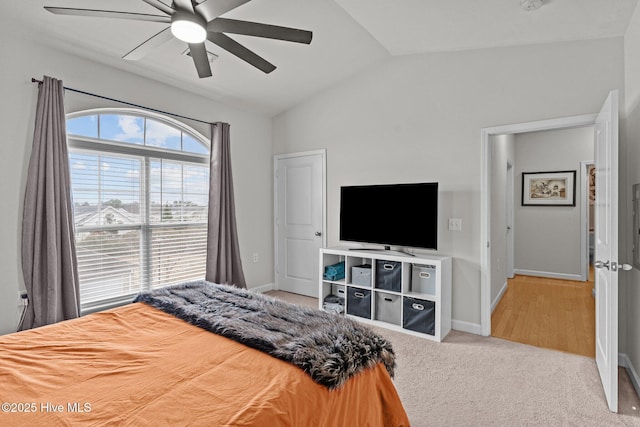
{"points": [[134, 130], [175, 189]]}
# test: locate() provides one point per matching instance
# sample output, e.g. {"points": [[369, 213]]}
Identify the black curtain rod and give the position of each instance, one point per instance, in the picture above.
{"points": [[33, 80]]}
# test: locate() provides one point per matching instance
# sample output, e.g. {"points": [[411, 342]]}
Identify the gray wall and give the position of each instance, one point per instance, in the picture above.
{"points": [[502, 153], [23, 59], [547, 238], [418, 118]]}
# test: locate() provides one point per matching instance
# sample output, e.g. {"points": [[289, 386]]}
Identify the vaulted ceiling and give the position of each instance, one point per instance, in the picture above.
{"points": [[349, 36]]}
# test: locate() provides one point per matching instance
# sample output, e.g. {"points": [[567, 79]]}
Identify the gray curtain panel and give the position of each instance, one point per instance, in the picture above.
{"points": [[224, 265], [49, 262]]}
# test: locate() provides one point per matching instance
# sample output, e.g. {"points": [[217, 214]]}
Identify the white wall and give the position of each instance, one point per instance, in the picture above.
{"points": [[630, 159], [547, 238], [23, 59], [502, 153], [418, 118]]}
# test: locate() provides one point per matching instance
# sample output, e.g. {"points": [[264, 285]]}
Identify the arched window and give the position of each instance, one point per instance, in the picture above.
{"points": [[140, 184]]}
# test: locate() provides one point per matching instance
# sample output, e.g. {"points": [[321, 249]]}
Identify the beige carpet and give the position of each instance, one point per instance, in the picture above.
{"points": [[468, 380]]}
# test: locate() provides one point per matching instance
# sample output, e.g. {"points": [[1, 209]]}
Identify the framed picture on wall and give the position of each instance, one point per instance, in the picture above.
{"points": [[557, 188]]}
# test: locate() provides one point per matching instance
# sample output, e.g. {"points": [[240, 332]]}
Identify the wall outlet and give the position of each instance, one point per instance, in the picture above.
{"points": [[256, 257], [455, 224]]}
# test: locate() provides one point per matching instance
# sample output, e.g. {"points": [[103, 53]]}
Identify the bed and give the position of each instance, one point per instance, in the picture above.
{"points": [[146, 364]]}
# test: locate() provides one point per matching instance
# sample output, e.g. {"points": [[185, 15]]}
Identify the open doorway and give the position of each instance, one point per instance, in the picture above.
{"points": [[605, 124], [495, 228], [545, 299]]}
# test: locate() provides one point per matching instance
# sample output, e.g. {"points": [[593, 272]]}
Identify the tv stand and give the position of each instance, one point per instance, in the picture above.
{"points": [[409, 294], [386, 250]]}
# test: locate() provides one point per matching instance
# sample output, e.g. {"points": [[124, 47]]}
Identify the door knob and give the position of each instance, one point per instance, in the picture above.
{"points": [[318, 233], [613, 267], [600, 264]]}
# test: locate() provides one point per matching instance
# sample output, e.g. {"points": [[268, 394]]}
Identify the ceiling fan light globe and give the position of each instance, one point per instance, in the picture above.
{"points": [[188, 31]]}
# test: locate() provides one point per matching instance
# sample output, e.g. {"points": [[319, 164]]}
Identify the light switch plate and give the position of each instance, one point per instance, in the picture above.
{"points": [[455, 224]]}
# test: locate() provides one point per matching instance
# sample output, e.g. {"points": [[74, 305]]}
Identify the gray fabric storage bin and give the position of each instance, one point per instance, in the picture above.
{"points": [[388, 275], [359, 302], [423, 279], [419, 315], [361, 275], [388, 308], [339, 290]]}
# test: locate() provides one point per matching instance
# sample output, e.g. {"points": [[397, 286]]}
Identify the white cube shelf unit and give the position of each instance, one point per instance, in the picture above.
{"points": [[410, 294]]}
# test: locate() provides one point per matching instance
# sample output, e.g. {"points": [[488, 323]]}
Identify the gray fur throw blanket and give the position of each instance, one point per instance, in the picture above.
{"points": [[328, 347]]}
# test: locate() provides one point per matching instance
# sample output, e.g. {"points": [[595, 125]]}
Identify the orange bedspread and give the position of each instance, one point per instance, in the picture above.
{"points": [[139, 366]]}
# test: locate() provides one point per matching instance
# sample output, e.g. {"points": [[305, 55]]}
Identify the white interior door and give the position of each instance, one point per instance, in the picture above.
{"points": [[606, 247], [299, 220]]}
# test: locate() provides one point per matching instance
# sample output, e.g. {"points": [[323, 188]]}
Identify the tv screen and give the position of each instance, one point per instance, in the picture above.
{"points": [[395, 214]]}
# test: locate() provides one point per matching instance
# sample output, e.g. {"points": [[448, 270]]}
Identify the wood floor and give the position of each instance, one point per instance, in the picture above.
{"points": [[549, 313]]}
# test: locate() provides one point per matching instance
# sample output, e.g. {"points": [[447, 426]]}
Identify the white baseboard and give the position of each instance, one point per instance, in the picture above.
{"points": [[462, 326], [498, 297], [625, 362], [263, 288], [563, 276]]}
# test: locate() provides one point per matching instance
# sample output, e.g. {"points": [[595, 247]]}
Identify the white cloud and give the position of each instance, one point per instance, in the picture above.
{"points": [[158, 134], [130, 127]]}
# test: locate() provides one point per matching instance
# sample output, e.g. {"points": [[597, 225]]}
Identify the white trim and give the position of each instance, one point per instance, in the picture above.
{"points": [[462, 326], [499, 296], [624, 361], [561, 123], [485, 197], [321, 152], [87, 144], [549, 274], [263, 288], [485, 234], [511, 213]]}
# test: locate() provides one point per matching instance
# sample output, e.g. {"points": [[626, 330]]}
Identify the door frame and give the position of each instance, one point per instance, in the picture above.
{"points": [[276, 158], [510, 243], [485, 197]]}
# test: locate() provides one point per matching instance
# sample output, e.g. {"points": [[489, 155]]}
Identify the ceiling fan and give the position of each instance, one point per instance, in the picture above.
{"points": [[193, 23]]}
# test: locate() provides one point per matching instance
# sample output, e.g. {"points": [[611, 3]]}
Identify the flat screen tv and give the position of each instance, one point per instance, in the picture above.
{"points": [[394, 214]]}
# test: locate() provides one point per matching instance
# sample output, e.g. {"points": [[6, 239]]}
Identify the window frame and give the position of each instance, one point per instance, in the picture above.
{"points": [[147, 153]]}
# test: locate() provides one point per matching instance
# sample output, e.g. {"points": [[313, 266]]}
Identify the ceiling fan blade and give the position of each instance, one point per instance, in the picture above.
{"points": [[185, 5], [211, 9], [240, 51], [233, 26], [108, 14], [200, 59], [148, 45], [160, 6]]}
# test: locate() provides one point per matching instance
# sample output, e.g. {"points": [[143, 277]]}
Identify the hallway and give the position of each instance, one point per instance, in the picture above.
{"points": [[549, 313]]}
